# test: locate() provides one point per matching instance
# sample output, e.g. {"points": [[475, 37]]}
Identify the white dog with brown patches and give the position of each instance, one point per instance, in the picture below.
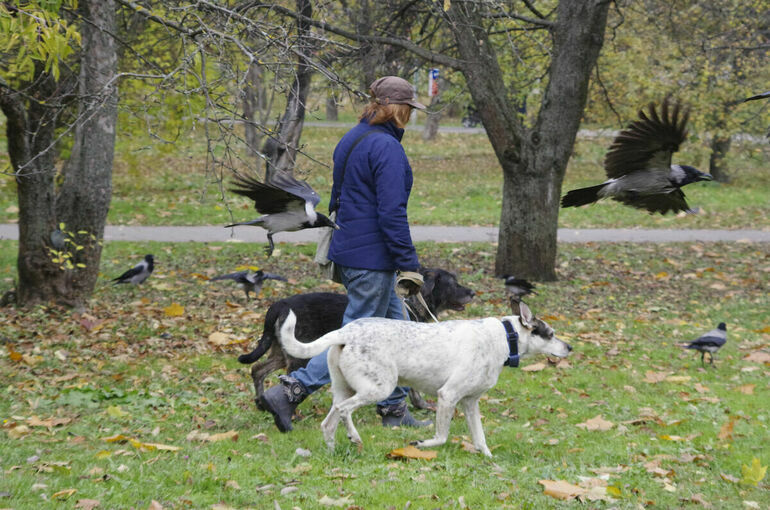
{"points": [[456, 360]]}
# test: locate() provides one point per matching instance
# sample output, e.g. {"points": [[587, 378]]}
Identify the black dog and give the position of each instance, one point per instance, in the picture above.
{"points": [[320, 312]]}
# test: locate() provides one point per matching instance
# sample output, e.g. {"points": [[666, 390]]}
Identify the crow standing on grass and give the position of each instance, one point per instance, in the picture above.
{"points": [[250, 281], [287, 205], [517, 288], [137, 274], [638, 165], [710, 342]]}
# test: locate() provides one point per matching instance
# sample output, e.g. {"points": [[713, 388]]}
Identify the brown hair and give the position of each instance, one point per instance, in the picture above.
{"points": [[376, 113]]}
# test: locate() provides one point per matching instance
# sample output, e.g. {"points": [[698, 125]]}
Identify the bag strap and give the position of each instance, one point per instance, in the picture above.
{"points": [[345, 164]]}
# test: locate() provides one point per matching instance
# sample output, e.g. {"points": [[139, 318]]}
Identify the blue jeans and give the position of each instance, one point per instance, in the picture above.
{"points": [[370, 294]]}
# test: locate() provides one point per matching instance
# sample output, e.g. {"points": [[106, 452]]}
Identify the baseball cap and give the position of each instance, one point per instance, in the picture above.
{"points": [[394, 90]]}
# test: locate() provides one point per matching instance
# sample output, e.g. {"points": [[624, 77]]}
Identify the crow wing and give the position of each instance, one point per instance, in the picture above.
{"points": [[288, 182], [660, 202], [758, 96], [270, 198], [130, 273], [648, 143], [240, 276]]}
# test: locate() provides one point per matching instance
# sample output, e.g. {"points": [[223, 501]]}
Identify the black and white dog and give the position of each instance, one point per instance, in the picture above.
{"points": [[321, 312], [456, 360]]}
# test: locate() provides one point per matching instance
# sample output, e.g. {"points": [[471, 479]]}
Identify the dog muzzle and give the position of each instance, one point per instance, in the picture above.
{"points": [[513, 344]]}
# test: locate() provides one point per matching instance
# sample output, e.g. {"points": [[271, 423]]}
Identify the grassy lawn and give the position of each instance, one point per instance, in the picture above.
{"points": [[457, 182], [132, 401]]}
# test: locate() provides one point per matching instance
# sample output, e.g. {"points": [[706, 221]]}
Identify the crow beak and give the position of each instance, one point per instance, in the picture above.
{"points": [[705, 177]]}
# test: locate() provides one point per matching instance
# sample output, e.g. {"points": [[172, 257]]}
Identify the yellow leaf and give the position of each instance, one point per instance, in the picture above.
{"points": [[117, 438], [66, 493], [410, 452], [753, 474], [103, 454], [661, 275], [561, 490], [747, 389], [116, 412], [174, 310], [447, 5], [219, 338], [678, 378], [231, 434]]}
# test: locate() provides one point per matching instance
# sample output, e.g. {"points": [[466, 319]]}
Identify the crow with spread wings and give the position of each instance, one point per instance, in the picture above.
{"points": [[638, 165], [287, 205]]}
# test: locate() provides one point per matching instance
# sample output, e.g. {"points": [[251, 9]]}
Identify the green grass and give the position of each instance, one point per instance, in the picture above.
{"points": [[457, 181], [126, 367]]}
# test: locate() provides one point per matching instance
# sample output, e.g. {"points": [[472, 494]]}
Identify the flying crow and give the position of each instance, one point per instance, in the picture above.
{"points": [[250, 281], [758, 96], [286, 204], [138, 273], [709, 342], [518, 287], [638, 165]]}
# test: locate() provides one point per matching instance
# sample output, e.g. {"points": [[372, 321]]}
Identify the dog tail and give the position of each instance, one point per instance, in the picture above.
{"points": [[299, 350], [582, 196], [262, 347]]}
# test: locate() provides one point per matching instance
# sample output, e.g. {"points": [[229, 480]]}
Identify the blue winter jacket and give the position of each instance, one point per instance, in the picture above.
{"points": [[374, 230]]}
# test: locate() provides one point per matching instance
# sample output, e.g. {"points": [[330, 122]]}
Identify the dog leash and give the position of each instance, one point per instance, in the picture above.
{"points": [[513, 345], [421, 300]]}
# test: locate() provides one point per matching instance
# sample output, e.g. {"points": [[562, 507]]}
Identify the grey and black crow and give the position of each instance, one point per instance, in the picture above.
{"points": [[758, 96], [286, 204], [518, 287], [138, 273], [638, 165], [710, 342], [250, 281]]}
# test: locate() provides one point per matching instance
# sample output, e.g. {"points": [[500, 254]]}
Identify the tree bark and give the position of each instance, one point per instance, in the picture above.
{"points": [[331, 108], [61, 265], [533, 160], [720, 146], [432, 120], [252, 102], [290, 130]]}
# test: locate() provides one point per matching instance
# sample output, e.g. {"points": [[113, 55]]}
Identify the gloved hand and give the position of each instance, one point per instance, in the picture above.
{"points": [[408, 283]]}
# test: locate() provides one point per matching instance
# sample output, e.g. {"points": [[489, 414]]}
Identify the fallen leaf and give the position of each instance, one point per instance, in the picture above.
{"points": [[341, 502], [154, 505], [729, 478], [219, 338], [50, 423], [87, 504], [753, 474], [561, 490], [655, 377], [535, 367], [174, 310], [678, 378], [18, 431], [726, 432], [699, 499], [596, 423], [410, 452], [758, 357], [222, 436], [747, 389], [65, 494]]}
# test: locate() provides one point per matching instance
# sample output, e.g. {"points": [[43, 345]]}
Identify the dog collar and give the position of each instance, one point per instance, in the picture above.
{"points": [[513, 345]]}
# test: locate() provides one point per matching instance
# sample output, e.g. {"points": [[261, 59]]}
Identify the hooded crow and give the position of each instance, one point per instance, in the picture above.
{"points": [[518, 287], [138, 273], [286, 204], [709, 342], [250, 281], [758, 96], [638, 165]]}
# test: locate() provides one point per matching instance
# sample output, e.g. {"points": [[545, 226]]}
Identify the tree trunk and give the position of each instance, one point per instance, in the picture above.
{"points": [[331, 108], [61, 265], [533, 160], [720, 146], [251, 105], [290, 129], [432, 120]]}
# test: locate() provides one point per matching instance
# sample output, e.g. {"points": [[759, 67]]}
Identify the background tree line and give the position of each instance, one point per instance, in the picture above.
{"points": [[74, 73]]}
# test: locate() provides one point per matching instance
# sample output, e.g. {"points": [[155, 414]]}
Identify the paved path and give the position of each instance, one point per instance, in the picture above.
{"points": [[419, 233]]}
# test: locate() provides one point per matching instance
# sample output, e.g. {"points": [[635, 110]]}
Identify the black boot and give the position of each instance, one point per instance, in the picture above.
{"points": [[282, 399], [398, 415]]}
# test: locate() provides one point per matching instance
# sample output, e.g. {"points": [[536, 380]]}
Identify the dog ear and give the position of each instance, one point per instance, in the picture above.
{"points": [[430, 278], [525, 316]]}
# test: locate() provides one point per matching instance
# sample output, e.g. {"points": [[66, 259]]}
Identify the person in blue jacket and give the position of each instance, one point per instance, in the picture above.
{"points": [[372, 182]]}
